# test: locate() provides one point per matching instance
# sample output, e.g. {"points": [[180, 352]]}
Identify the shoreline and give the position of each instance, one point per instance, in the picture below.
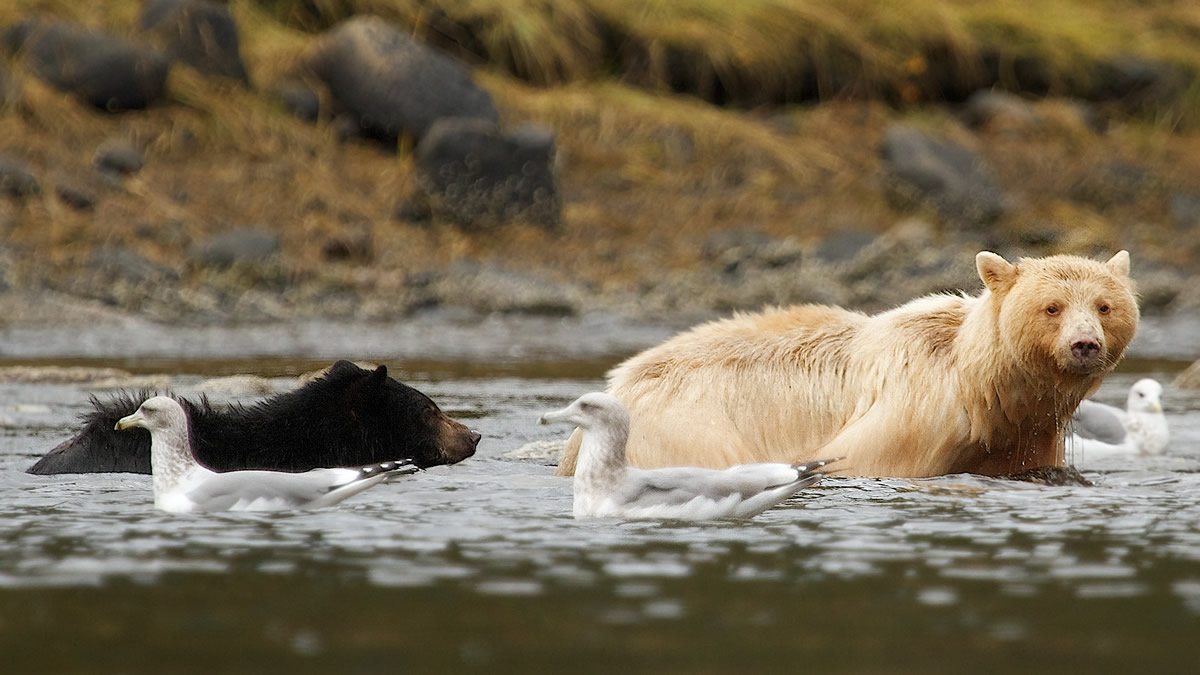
{"points": [[46, 327]]}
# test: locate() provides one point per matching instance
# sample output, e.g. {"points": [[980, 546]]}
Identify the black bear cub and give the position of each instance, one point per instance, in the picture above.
{"points": [[347, 417]]}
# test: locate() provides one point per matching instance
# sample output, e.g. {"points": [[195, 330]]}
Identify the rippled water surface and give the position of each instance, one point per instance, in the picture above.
{"points": [[479, 566]]}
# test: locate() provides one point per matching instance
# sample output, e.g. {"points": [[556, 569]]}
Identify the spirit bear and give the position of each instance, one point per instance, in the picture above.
{"points": [[943, 384]]}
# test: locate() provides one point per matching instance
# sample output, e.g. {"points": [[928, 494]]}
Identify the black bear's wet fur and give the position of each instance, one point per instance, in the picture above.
{"points": [[348, 417]]}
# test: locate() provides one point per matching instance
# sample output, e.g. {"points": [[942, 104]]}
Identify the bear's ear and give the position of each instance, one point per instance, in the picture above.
{"points": [[997, 273], [379, 376], [1119, 264]]}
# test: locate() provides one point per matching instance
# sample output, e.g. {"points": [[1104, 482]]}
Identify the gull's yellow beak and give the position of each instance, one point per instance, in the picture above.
{"points": [[131, 421]]}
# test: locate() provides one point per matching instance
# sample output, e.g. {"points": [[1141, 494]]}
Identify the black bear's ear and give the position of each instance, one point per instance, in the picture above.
{"points": [[379, 377]]}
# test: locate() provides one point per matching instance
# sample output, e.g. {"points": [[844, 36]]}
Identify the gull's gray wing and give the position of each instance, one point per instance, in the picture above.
{"points": [[1099, 422], [273, 490], [645, 488]]}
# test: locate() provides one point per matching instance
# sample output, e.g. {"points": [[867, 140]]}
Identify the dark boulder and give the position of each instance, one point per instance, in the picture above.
{"points": [[472, 173], [16, 180], [392, 84], [1137, 85], [75, 195], [299, 99], [937, 171], [348, 417], [107, 71], [200, 33], [119, 157]]}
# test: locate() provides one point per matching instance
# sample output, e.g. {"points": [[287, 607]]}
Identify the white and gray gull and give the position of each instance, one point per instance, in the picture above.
{"points": [[182, 485], [1103, 430], [605, 486]]}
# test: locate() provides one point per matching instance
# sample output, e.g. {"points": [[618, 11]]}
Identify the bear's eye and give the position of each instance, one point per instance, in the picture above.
{"points": [[1104, 309], [1052, 310]]}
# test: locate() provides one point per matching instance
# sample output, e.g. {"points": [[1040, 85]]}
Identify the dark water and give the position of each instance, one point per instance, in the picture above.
{"points": [[480, 566]]}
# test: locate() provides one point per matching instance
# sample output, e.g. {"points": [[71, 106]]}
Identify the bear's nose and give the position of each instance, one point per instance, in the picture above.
{"points": [[1085, 350], [475, 436]]}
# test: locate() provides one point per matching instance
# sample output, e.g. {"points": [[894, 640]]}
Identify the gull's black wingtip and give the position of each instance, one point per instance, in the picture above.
{"points": [[809, 467]]}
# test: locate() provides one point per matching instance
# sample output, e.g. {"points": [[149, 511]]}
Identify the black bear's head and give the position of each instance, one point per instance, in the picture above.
{"points": [[400, 416]]}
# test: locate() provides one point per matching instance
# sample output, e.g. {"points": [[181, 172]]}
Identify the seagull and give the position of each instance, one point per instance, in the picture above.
{"points": [[606, 487], [1102, 430], [182, 485]]}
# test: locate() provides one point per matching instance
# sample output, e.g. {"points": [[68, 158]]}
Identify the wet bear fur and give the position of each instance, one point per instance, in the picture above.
{"points": [[943, 384], [347, 417]]}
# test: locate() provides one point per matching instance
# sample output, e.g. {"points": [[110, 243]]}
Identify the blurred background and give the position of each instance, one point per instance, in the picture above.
{"points": [[367, 159]]}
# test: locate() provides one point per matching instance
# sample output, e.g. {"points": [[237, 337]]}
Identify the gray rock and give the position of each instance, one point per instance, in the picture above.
{"points": [[200, 33], [473, 174], [1184, 208], [118, 157], [241, 245], [740, 249], [547, 453], [237, 385], [107, 71], [392, 84], [126, 265], [1137, 84], [489, 288], [844, 245], [742, 241], [16, 180], [997, 110], [942, 173]]}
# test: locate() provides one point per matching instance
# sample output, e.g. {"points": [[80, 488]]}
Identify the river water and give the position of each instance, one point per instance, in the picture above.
{"points": [[480, 566]]}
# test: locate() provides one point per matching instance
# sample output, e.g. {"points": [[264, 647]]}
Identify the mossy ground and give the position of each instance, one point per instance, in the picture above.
{"points": [[647, 174]]}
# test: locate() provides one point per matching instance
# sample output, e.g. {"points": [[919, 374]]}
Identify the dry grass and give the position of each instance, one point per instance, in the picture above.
{"points": [[646, 174], [756, 51]]}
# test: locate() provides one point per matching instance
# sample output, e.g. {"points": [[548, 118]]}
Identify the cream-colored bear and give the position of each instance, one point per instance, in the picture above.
{"points": [[943, 384]]}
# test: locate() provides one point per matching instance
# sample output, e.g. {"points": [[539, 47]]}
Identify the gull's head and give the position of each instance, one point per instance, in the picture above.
{"points": [[155, 414], [1145, 396], [591, 411]]}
